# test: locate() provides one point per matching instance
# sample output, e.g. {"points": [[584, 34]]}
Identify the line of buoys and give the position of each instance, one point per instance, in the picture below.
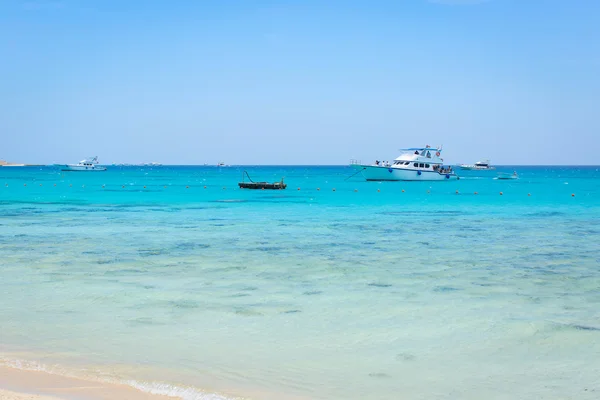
{"points": [[318, 189]]}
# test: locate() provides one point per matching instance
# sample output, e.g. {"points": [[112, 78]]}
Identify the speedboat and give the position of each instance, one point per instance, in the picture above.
{"points": [[478, 166], [414, 164], [90, 164], [506, 175]]}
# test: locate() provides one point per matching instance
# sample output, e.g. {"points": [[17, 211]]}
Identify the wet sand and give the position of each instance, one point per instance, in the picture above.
{"points": [[17, 384]]}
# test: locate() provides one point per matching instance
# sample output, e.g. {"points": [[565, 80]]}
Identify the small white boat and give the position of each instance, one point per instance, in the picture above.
{"points": [[507, 175], [478, 166], [415, 164], [85, 165]]}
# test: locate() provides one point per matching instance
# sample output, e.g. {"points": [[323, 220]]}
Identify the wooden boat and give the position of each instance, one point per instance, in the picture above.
{"points": [[260, 185]]}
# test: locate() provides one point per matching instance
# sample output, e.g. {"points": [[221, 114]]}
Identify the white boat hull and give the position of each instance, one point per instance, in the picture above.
{"points": [[82, 168], [377, 173]]}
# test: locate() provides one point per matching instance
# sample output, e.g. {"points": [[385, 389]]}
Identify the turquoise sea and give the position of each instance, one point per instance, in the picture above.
{"points": [[175, 281]]}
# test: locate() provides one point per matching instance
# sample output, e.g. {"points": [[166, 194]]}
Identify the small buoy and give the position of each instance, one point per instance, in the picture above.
{"points": [[572, 194], [501, 193], [54, 184], [318, 188], [102, 186], [40, 184], [166, 186], [528, 194], [355, 190], [429, 192], [144, 186], [123, 186], [204, 187], [475, 193], [24, 184], [298, 188], [457, 192], [402, 190], [224, 188], [419, 172], [71, 185], [378, 190], [187, 187], [334, 189]]}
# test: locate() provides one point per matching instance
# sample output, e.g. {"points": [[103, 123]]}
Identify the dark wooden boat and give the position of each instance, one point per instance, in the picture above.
{"points": [[260, 185]]}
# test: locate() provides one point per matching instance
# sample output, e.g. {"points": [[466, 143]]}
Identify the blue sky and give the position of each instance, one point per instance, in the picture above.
{"points": [[299, 82]]}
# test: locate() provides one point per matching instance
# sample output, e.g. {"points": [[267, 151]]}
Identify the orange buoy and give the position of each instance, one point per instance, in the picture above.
{"points": [[572, 194], [501, 193], [298, 188]]}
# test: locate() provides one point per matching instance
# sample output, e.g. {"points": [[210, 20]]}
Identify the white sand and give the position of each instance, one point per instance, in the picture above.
{"points": [[17, 383], [6, 395]]}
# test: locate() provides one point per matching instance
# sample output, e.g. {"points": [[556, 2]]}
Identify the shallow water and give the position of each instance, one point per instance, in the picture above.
{"points": [[375, 290]]}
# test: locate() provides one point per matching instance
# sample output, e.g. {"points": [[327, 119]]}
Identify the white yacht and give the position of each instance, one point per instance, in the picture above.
{"points": [[478, 166], [415, 164], [90, 164]]}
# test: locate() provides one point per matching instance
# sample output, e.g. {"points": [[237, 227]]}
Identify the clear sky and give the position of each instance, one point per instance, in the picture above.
{"points": [[299, 82]]}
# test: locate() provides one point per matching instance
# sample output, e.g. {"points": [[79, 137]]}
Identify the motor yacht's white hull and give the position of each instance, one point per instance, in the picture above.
{"points": [[82, 168], [471, 168], [377, 173]]}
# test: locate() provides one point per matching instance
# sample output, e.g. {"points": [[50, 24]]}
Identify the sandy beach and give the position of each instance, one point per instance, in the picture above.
{"points": [[6, 395], [17, 384]]}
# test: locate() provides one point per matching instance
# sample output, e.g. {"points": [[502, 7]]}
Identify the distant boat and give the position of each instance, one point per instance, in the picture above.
{"points": [[221, 164], [415, 164], [478, 166], [86, 165], [507, 175]]}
